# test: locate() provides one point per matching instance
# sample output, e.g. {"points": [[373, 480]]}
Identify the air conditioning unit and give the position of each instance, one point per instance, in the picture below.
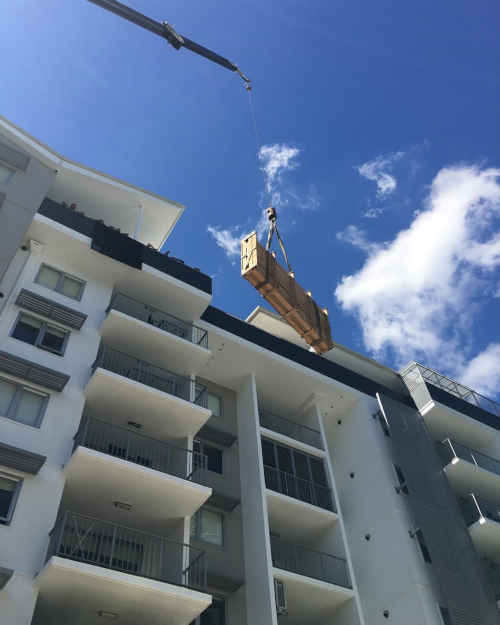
{"points": [[280, 597]]}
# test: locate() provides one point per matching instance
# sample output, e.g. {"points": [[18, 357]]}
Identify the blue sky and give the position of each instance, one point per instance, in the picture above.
{"points": [[382, 132]]}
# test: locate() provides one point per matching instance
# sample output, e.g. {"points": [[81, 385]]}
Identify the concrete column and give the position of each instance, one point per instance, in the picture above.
{"points": [[260, 603]]}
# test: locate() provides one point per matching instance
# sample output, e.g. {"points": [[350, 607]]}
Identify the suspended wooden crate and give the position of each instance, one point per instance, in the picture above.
{"points": [[285, 295]]}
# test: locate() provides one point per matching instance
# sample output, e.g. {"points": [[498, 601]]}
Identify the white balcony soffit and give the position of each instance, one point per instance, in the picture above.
{"points": [[149, 343], [444, 422], [486, 538], [465, 477], [74, 592], [118, 399], [94, 480]]}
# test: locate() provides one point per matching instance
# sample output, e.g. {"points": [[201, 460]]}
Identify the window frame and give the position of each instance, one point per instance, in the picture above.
{"points": [[62, 276], [14, 403], [309, 457], [219, 397], [45, 325], [197, 534], [12, 506], [12, 172], [202, 443]]}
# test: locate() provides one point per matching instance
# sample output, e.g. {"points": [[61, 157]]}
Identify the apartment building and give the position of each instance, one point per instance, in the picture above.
{"points": [[163, 462]]}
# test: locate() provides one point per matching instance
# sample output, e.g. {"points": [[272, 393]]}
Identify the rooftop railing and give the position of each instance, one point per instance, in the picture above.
{"points": [[298, 488], [111, 546], [142, 450], [308, 562], [475, 508], [450, 449], [150, 375], [159, 319], [411, 373], [289, 428]]}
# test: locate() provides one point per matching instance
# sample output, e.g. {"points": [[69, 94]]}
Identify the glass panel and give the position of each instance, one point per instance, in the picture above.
{"points": [[7, 392], [268, 453], [29, 408], [7, 489], [71, 287], [48, 277], [214, 404], [284, 459], [27, 329], [53, 339], [318, 471], [5, 174], [211, 527], [301, 465], [214, 458]]}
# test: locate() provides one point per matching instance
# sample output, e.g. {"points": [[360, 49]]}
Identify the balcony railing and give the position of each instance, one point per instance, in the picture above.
{"points": [[150, 375], [139, 449], [112, 546], [290, 428], [159, 319], [449, 449], [298, 488], [308, 562], [475, 508], [411, 375]]}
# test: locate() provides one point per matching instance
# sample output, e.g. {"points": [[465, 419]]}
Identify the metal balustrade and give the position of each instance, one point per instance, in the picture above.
{"points": [[159, 319], [308, 562], [449, 449], [289, 428], [139, 449], [475, 508], [150, 375], [111, 546], [298, 488]]}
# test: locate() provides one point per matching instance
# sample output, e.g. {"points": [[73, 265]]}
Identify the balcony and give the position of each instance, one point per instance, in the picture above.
{"points": [[469, 470], [483, 520], [154, 478], [290, 429], [151, 333], [122, 387], [94, 566], [316, 583], [298, 488], [449, 407]]}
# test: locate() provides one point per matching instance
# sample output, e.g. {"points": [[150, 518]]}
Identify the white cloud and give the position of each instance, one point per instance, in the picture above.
{"points": [[228, 240], [415, 296], [379, 171], [483, 372], [276, 159], [357, 237]]}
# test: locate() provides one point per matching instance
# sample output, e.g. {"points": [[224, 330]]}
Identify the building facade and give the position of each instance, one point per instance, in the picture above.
{"points": [[163, 462]]}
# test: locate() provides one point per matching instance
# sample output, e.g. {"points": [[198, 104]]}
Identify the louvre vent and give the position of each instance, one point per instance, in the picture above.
{"points": [[50, 309], [32, 372]]}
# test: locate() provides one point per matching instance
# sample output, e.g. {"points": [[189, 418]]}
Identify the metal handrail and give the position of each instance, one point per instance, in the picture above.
{"points": [[309, 562], [451, 449], [298, 488], [150, 375], [476, 508], [289, 428], [158, 318], [112, 546], [138, 448], [453, 387]]}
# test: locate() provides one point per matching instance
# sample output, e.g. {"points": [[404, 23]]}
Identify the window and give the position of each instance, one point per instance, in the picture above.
{"points": [[206, 526], [6, 173], [213, 455], [41, 334], [402, 488], [214, 404], [215, 614], [423, 547], [61, 282], [21, 404], [9, 490]]}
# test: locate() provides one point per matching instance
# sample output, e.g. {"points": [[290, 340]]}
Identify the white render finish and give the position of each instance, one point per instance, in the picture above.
{"points": [[370, 531]]}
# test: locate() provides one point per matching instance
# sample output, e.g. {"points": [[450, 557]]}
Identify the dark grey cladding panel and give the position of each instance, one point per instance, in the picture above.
{"points": [[213, 435], [50, 309], [5, 575], [14, 158], [223, 502], [456, 567], [32, 372], [222, 583], [2, 198], [21, 459]]}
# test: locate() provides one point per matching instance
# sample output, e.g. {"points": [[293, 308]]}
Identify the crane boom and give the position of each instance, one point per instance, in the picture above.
{"points": [[166, 31]]}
